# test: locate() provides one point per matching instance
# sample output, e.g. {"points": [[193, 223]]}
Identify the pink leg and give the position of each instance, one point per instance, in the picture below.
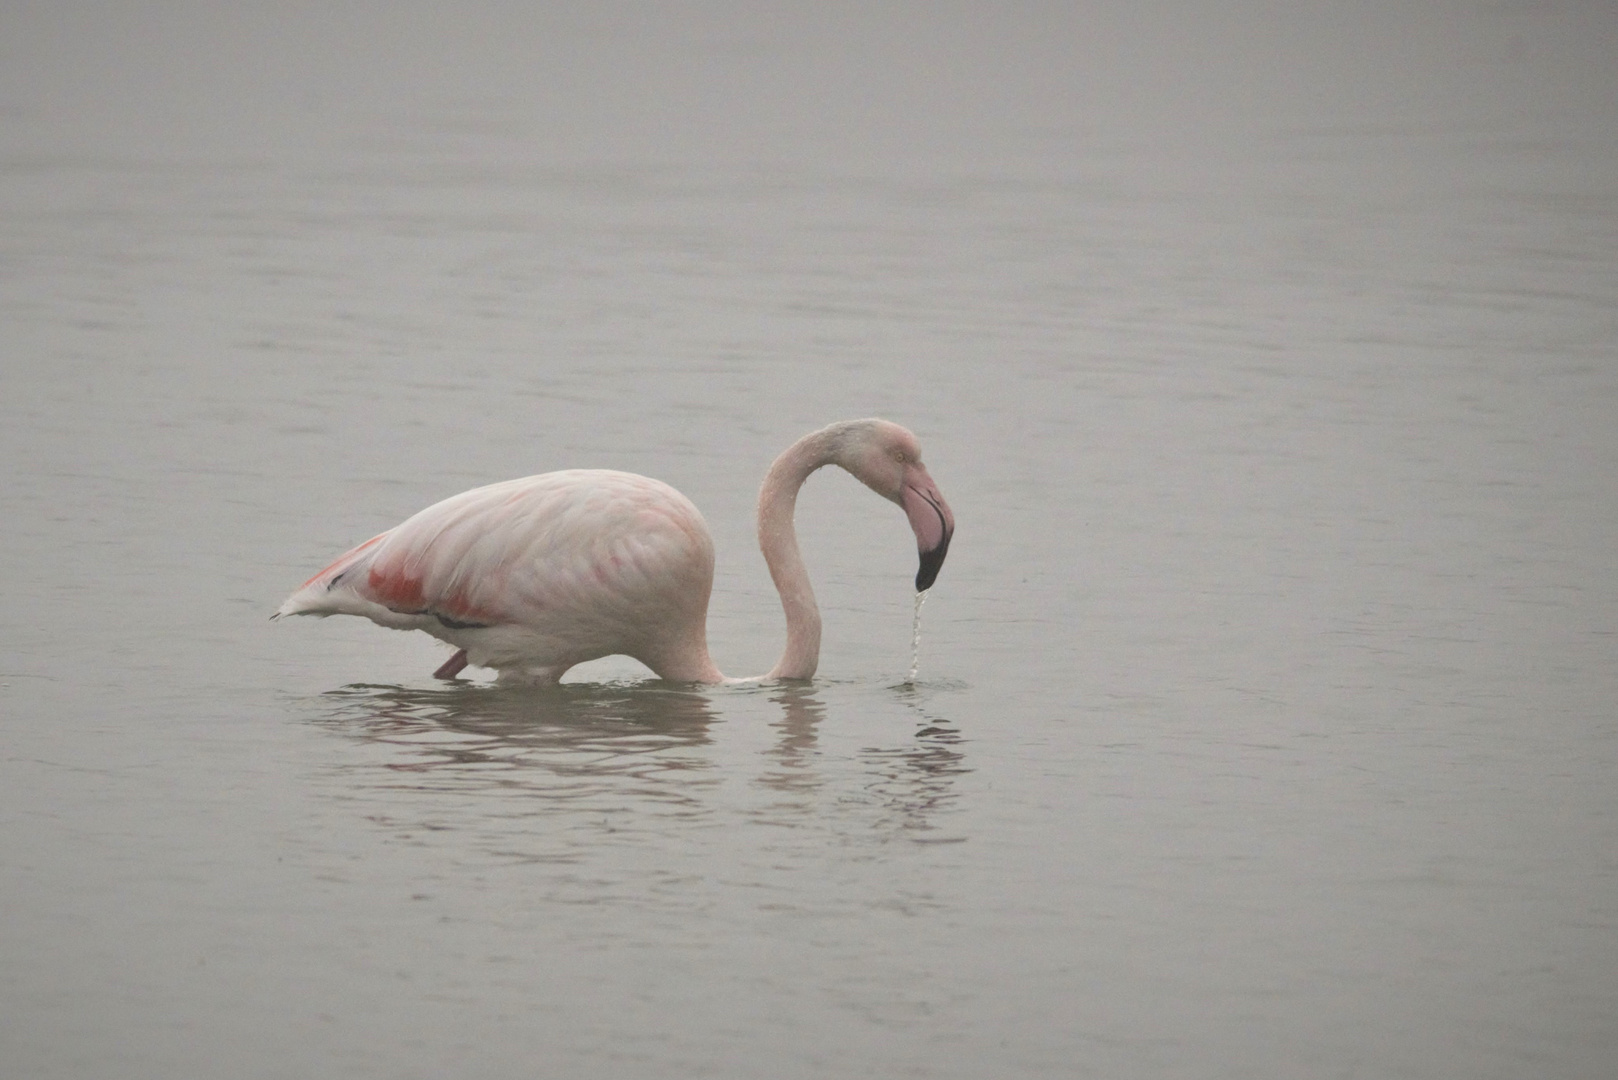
{"points": [[452, 667]]}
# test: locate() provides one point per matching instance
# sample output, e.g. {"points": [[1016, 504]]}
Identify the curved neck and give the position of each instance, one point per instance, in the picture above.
{"points": [[778, 539]]}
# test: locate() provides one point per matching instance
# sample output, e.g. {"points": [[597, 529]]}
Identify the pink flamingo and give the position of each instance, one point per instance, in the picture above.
{"points": [[533, 576]]}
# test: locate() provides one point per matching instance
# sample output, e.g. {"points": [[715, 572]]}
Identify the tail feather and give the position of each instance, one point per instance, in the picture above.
{"points": [[332, 591]]}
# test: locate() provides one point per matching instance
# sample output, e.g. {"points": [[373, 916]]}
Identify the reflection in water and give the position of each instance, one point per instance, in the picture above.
{"points": [[801, 714], [570, 767], [546, 773], [918, 780], [909, 785], [567, 731]]}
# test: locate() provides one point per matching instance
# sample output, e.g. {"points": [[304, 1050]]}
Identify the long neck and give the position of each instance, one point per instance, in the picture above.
{"points": [[779, 541]]}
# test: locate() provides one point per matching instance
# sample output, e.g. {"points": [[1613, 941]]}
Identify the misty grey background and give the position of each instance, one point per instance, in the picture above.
{"points": [[1265, 724]]}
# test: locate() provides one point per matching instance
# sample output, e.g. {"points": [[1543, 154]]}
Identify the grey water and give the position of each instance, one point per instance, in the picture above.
{"points": [[1265, 721]]}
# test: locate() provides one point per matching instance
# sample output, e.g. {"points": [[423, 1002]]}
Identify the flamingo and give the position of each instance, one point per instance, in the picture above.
{"points": [[532, 576]]}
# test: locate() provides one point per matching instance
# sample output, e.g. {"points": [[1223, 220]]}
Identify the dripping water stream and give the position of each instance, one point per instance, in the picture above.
{"points": [[915, 638]]}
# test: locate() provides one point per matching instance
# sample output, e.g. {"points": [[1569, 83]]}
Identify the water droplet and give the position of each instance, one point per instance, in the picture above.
{"points": [[915, 638]]}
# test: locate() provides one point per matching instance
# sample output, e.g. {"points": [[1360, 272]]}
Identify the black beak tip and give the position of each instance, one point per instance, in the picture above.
{"points": [[931, 561]]}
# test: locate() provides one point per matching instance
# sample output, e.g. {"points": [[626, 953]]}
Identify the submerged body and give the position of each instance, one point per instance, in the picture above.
{"points": [[533, 576]]}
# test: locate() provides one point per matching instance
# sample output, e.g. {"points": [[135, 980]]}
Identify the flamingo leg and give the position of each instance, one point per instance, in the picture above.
{"points": [[452, 667]]}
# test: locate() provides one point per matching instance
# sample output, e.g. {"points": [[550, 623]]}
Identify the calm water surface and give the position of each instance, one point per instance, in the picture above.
{"points": [[1265, 720]]}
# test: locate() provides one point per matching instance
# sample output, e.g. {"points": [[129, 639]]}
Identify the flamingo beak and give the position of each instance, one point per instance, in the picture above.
{"points": [[932, 521]]}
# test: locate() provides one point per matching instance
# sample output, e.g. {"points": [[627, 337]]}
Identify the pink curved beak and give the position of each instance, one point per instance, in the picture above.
{"points": [[931, 519]]}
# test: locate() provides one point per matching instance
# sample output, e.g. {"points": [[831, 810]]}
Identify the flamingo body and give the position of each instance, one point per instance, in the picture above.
{"points": [[533, 576]]}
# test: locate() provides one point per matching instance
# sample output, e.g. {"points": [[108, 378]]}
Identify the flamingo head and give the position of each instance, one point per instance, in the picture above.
{"points": [[887, 459]]}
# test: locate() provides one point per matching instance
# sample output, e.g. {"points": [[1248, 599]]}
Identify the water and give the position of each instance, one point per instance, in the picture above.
{"points": [[915, 640], [1266, 726]]}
